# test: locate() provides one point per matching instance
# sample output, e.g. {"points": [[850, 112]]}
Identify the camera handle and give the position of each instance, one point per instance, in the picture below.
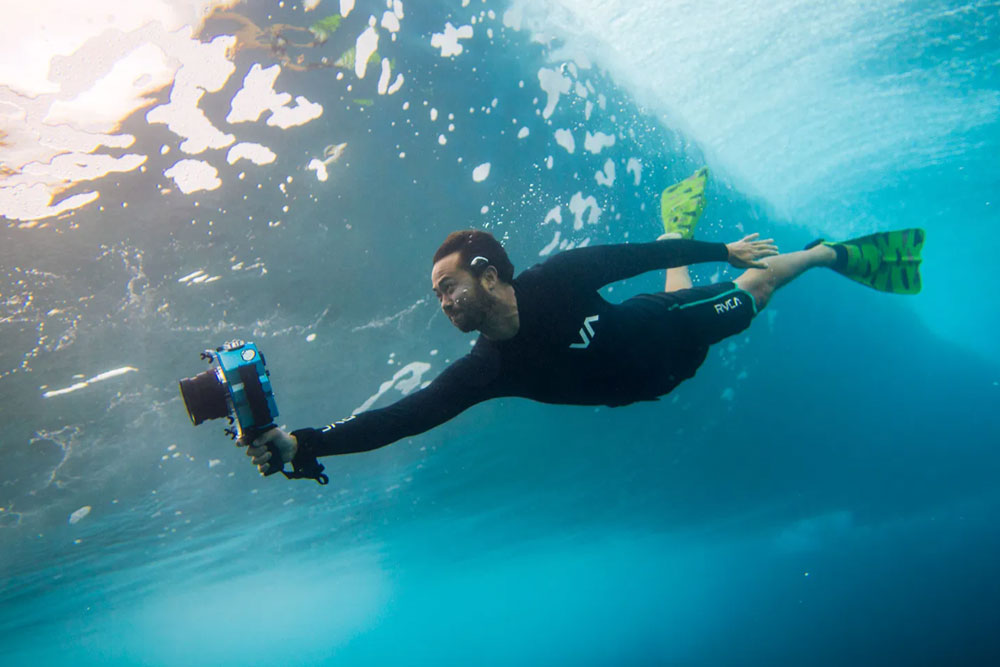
{"points": [[252, 434], [305, 469]]}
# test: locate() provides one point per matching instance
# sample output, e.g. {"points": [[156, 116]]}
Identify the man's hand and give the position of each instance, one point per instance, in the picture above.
{"points": [[285, 442], [748, 251]]}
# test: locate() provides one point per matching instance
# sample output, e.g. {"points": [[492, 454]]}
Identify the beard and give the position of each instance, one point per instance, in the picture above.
{"points": [[470, 311]]}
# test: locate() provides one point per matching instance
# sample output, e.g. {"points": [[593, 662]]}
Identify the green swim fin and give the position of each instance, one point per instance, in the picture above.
{"points": [[886, 261], [682, 203]]}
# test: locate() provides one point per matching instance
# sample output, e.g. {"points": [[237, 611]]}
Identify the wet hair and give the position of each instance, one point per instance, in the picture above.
{"points": [[471, 245]]}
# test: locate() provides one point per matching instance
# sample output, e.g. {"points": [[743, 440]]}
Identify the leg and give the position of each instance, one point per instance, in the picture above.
{"points": [[677, 277], [681, 205], [782, 269]]}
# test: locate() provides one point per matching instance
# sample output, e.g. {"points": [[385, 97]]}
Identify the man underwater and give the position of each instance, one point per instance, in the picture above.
{"points": [[548, 335]]}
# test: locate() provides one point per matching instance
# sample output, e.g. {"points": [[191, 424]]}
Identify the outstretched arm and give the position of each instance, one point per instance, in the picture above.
{"points": [[596, 266], [421, 411], [460, 386]]}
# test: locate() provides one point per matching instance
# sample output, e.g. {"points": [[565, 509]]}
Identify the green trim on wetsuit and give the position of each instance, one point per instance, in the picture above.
{"points": [[682, 306]]}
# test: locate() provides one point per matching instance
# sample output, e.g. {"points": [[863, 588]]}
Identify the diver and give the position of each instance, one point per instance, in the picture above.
{"points": [[548, 335]]}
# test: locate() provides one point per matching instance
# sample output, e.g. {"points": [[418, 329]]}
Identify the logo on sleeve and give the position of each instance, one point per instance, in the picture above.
{"points": [[727, 305], [586, 333]]}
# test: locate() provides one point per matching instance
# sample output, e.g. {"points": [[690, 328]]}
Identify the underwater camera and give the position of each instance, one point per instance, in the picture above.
{"points": [[238, 387]]}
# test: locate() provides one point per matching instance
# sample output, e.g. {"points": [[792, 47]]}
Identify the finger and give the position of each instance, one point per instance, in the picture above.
{"points": [[262, 459], [750, 237], [255, 451]]}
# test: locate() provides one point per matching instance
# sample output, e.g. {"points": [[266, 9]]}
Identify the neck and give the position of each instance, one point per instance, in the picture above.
{"points": [[503, 321]]}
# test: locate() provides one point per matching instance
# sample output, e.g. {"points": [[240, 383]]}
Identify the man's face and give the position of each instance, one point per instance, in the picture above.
{"points": [[460, 294]]}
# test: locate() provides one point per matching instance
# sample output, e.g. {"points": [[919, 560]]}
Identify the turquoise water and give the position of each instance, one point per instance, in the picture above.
{"points": [[822, 492]]}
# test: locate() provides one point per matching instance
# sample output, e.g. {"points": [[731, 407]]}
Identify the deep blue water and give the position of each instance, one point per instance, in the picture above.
{"points": [[822, 492]]}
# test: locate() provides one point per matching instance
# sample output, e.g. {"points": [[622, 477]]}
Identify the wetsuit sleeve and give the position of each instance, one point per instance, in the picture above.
{"points": [[459, 387], [596, 266]]}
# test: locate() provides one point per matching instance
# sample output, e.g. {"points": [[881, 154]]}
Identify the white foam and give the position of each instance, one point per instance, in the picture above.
{"points": [[481, 173], [598, 141], [554, 215], [75, 167], [390, 21], [256, 153], [554, 84], [565, 139], [33, 202], [100, 377], [113, 96], [448, 40], [406, 379], [634, 167], [346, 7], [258, 95], [320, 168], [383, 79], [205, 69], [107, 375], [79, 514], [512, 17], [365, 47], [67, 84], [606, 177], [547, 250], [523, 132], [194, 176], [300, 114], [191, 276], [579, 205], [396, 85]]}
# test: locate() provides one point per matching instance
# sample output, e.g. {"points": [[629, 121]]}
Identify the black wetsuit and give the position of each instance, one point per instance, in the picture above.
{"points": [[572, 346]]}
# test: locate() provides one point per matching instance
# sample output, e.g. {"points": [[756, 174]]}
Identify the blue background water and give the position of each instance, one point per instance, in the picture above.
{"points": [[822, 492]]}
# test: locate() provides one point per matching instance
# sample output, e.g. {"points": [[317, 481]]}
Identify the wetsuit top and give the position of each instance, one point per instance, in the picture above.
{"points": [[571, 347]]}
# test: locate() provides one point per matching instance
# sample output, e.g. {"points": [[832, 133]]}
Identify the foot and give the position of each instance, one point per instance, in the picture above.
{"points": [[681, 205], [824, 255]]}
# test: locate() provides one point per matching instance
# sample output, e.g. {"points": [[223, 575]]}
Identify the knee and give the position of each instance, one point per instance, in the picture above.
{"points": [[758, 284]]}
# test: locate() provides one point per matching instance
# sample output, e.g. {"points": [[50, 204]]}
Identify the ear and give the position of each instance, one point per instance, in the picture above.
{"points": [[489, 278]]}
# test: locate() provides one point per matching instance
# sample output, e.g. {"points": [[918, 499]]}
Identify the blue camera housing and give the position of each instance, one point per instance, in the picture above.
{"points": [[239, 363]]}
